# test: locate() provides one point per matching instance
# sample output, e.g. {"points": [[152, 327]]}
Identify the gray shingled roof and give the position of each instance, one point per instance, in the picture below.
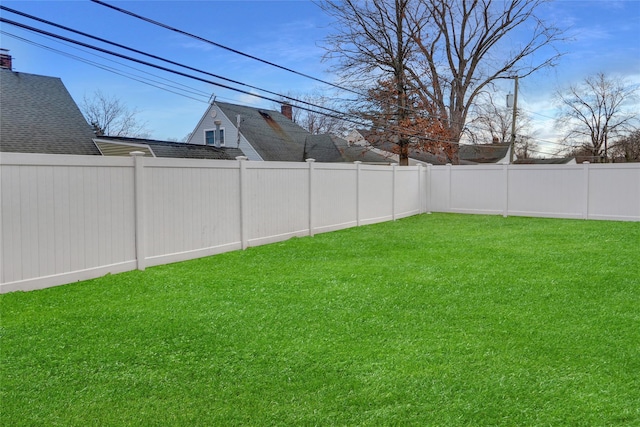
{"points": [[331, 149], [179, 149], [38, 115], [552, 161], [483, 153], [272, 135]]}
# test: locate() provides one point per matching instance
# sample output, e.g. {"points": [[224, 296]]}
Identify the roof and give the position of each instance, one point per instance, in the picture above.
{"points": [[38, 115], [272, 135], [555, 161], [165, 148], [483, 153], [332, 149]]}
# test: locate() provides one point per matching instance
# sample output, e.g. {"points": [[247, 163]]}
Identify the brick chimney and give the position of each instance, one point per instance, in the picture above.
{"points": [[287, 110], [5, 59]]}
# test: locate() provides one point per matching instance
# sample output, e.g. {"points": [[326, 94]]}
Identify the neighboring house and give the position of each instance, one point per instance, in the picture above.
{"points": [[332, 149], [554, 161], [373, 142], [38, 115], [485, 153], [269, 135], [122, 146], [468, 154]]}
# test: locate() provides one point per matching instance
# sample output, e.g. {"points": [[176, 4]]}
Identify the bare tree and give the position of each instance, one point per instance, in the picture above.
{"points": [[627, 149], [110, 116], [446, 51], [592, 114], [492, 122], [314, 119], [374, 38]]}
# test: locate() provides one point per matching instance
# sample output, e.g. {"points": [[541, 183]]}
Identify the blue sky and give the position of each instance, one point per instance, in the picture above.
{"points": [[605, 37]]}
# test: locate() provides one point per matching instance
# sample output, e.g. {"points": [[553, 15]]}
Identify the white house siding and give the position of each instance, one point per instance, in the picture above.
{"points": [[229, 124]]}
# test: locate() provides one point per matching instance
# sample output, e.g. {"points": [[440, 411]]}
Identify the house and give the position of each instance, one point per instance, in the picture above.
{"points": [[552, 161], [38, 115], [332, 149], [122, 146], [498, 153], [269, 135], [468, 154]]}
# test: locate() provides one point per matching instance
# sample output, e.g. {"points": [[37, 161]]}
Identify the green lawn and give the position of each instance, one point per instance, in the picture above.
{"points": [[438, 320]]}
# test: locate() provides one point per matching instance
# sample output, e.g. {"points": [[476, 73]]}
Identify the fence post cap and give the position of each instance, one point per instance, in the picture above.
{"points": [[136, 153], [585, 162], [357, 162], [310, 160], [240, 158]]}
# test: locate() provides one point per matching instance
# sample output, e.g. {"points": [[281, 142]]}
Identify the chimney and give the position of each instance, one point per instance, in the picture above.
{"points": [[287, 110], [5, 59]]}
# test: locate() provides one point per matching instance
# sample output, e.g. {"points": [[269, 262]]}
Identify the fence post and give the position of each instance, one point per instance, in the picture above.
{"points": [[358, 163], [505, 169], [420, 195], [449, 167], [585, 196], [393, 191], [244, 202], [428, 184], [138, 194], [312, 168]]}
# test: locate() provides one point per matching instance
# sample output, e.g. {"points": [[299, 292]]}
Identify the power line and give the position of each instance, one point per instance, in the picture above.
{"points": [[238, 52], [163, 59], [340, 115], [143, 80]]}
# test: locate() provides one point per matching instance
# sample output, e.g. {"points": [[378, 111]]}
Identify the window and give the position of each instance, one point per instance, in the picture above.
{"points": [[209, 137]]}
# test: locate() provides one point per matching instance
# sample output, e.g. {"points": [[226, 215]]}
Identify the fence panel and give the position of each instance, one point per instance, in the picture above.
{"points": [[408, 192], [614, 191], [546, 190], [278, 201], [63, 215], [477, 190], [191, 208], [376, 194], [335, 196]]}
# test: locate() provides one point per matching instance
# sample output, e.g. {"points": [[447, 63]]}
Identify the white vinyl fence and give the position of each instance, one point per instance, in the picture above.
{"points": [[70, 218], [587, 191]]}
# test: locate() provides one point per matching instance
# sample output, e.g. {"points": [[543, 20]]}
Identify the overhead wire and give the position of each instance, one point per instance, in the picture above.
{"points": [[297, 101], [341, 115], [238, 52], [140, 79], [26, 15], [160, 67]]}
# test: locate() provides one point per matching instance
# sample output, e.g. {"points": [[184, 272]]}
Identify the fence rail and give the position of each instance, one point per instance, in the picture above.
{"points": [[70, 218]]}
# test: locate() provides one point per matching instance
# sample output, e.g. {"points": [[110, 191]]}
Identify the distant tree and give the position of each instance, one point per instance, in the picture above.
{"points": [[627, 148], [110, 116], [313, 112], [420, 123], [593, 116], [447, 52], [492, 122]]}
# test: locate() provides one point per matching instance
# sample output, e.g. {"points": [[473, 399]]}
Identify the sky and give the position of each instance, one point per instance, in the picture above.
{"points": [[603, 36]]}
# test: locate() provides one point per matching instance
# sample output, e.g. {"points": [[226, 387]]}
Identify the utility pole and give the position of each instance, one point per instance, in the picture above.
{"points": [[513, 120]]}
